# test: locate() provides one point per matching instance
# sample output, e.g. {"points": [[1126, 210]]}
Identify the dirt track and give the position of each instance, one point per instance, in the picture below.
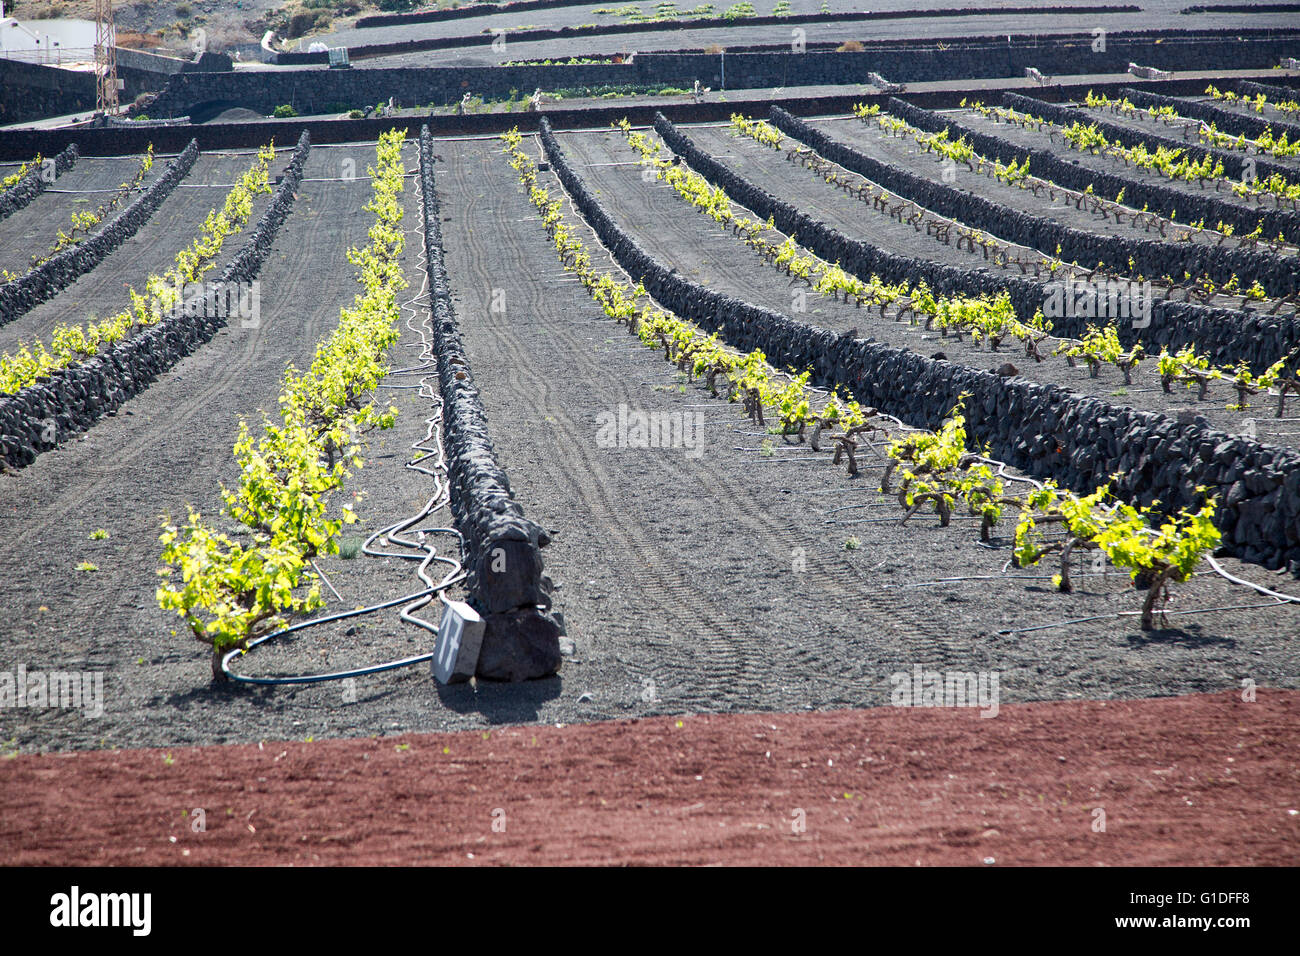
{"points": [[1204, 780]]}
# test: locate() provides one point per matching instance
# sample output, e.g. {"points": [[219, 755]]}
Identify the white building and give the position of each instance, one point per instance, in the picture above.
{"points": [[46, 41]]}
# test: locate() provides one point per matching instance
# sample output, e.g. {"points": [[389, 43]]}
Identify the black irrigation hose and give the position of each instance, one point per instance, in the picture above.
{"points": [[392, 534]]}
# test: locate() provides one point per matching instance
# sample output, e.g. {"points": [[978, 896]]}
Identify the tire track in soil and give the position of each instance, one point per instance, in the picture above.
{"points": [[838, 579], [731, 654], [928, 642], [723, 663]]}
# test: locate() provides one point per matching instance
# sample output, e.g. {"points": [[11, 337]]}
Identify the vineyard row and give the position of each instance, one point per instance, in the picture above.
{"points": [[1046, 430]]}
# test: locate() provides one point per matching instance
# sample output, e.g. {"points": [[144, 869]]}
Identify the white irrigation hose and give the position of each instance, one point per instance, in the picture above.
{"points": [[78, 192], [430, 446], [1002, 472], [1284, 598]]}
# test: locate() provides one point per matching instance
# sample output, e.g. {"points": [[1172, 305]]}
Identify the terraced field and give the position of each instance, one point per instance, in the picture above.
{"points": [[720, 420], [168, 231], [35, 228]]}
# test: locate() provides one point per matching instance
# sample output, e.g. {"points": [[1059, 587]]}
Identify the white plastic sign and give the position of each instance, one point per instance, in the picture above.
{"points": [[460, 635]]}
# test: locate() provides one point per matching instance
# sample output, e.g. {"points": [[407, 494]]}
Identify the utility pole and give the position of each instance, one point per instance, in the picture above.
{"points": [[105, 58]]}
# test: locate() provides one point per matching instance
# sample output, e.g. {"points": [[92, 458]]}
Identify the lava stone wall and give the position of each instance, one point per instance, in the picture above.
{"points": [[938, 59], [314, 90], [1045, 430], [459, 13], [502, 548], [318, 91], [30, 91], [1137, 192], [1277, 274], [1226, 121], [585, 32], [71, 400], [20, 145], [62, 269], [522, 6], [1225, 334], [1234, 163], [32, 185], [1273, 93]]}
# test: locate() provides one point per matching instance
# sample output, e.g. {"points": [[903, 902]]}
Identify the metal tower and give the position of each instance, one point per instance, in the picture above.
{"points": [[105, 58]]}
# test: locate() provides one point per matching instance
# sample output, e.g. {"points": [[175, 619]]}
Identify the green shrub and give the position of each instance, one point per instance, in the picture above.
{"points": [[284, 112]]}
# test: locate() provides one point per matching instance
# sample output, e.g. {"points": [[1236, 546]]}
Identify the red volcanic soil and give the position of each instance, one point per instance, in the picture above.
{"points": [[1203, 779]]}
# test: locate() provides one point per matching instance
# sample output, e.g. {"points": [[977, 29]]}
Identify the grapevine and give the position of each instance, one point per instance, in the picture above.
{"points": [[13, 179], [1156, 554], [232, 592], [938, 470], [1102, 346]]}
